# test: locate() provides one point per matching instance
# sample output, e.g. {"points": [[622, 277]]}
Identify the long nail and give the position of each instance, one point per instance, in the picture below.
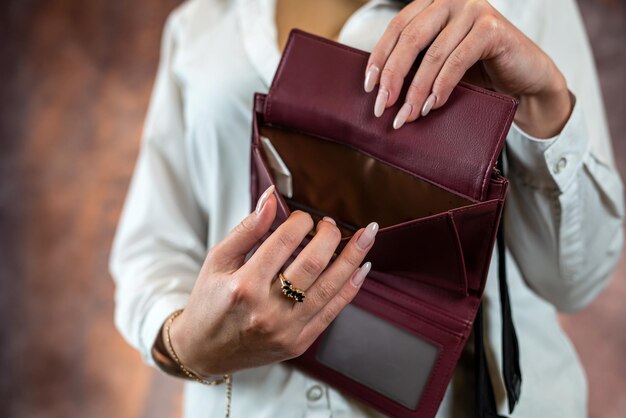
{"points": [[368, 235], [360, 274], [371, 76], [263, 199], [329, 219], [428, 104], [381, 101], [402, 115]]}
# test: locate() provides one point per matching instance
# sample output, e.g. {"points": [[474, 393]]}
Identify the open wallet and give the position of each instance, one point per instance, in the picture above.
{"points": [[432, 186]]}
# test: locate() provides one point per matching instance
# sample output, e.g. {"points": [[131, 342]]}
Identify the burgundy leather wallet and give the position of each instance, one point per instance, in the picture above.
{"points": [[433, 188]]}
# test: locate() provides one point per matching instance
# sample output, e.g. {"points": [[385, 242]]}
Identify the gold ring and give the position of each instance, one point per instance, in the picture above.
{"points": [[289, 290]]}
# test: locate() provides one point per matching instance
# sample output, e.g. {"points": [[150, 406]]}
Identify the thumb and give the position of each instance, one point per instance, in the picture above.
{"points": [[230, 253]]}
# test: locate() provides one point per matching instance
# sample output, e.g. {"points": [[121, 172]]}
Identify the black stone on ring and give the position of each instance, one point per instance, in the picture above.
{"points": [[289, 290]]}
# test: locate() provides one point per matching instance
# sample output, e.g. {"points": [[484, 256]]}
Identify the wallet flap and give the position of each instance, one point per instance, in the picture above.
{"points": [[318, 88]]}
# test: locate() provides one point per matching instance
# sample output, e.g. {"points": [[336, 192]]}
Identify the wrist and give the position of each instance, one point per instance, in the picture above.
{"points": [[544, 113], [181, 347], [167, 359], [162, 357]]}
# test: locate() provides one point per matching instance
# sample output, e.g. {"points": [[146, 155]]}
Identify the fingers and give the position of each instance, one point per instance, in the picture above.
{"points": [[460, 33], [388, 40], [229, 254], [330, 282], [322, 319], [314, 258], [415, 102], [279, 246], [465, 55], [414, 38]]}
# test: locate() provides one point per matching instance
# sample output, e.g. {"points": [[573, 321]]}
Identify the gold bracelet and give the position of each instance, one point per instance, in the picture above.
{"points": [[192, 375]]}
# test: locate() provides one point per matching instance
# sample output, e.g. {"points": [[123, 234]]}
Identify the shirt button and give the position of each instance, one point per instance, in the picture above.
{"points": [[314, 393], [560, 165]]}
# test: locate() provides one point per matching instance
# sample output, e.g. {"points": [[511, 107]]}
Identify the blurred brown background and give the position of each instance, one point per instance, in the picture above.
{"points": [[75, 79]]}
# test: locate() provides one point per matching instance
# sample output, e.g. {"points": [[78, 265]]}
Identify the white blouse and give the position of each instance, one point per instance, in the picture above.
{"points": [[190, 186]]}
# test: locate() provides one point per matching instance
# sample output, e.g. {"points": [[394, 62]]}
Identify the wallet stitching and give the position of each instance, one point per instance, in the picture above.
{"points": [[456, 243], [413, 223], [499, 143], [418, 316], [431, 387], [451, 360], [414, 301], [485, 263], [470, 207]]}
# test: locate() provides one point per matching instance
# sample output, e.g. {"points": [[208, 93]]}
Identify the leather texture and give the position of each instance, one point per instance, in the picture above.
{"points": [[431, 255], [321, 80]]}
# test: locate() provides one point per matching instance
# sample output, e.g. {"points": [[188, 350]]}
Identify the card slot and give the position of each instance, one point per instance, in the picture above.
{"points": [[418, 305], [399, 363], [329, 177], [403, 350], [425, 250], [378, 295]]}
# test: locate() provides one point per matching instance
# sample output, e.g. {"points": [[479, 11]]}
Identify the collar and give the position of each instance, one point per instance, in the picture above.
{"points": [[258, 29]]}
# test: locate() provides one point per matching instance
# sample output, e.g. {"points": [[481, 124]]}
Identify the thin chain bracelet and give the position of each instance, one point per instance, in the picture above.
{"points": [[194, 376]]}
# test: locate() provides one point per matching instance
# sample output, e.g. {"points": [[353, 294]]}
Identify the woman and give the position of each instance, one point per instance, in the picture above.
{"points": [[190, 192]]}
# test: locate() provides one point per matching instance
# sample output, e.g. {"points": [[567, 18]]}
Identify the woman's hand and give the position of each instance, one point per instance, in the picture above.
{"points": [[460, 34], [237, 316]]}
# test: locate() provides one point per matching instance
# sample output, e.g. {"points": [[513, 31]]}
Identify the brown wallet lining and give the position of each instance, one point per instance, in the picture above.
{"points": [[329, 182]]}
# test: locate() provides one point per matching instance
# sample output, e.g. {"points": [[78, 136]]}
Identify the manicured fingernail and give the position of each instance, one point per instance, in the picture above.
{"points": [[402, 115], [360, 274], [371, 76], [263, 199], [381, 101], [428, 104], [329, 219], [368, 235]]}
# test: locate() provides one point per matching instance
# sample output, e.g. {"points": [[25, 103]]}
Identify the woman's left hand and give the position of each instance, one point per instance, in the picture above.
{"points": [[457, 35]]}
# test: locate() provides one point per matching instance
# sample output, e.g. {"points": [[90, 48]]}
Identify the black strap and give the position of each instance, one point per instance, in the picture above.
{"points": [[510, 348], [511, 373], [485, 402]]}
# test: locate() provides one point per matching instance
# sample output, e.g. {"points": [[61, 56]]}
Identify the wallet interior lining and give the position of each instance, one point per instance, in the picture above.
{"points": [[327, 180]]}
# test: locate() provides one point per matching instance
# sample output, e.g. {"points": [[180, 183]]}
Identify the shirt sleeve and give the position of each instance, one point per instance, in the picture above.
{"points": [[160, 242], [564, 214]]}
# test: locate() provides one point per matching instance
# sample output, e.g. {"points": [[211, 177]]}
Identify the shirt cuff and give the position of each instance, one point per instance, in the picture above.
{"points": [[155, 318], [549, 163]]}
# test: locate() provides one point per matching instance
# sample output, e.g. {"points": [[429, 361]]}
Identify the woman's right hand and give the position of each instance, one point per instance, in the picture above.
{"points": [[237, 316]]}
